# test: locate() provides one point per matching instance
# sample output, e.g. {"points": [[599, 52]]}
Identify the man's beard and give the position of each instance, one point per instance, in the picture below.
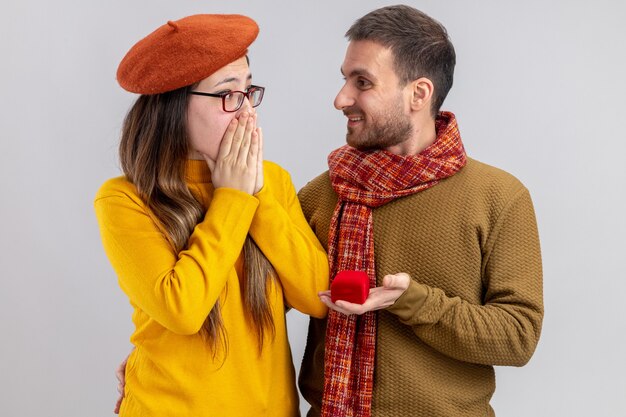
{"points": [[383, 132]]}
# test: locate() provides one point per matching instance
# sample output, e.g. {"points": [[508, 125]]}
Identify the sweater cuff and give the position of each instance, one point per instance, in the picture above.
{"points": [[410, 302], [264, 194], [268, 212], [233, 206]]}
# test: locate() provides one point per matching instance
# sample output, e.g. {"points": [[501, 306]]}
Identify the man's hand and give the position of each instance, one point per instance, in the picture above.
{"points": [[120, 373], [380, 297]]}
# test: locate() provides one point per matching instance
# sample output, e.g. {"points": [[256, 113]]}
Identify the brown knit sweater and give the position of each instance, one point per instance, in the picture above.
{"points": [[470, 244]]}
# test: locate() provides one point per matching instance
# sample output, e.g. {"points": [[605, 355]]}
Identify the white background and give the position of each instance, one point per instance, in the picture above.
{"points": [[539, 91]]}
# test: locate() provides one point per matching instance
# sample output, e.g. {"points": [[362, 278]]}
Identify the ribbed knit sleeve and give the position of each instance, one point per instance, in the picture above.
{"points": [[178, 290], [284, 236], [505, 329]]}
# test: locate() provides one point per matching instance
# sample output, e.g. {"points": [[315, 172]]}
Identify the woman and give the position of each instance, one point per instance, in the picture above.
{"points": [[209, 242]]}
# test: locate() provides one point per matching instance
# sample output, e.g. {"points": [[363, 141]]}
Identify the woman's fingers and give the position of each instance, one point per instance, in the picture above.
{"points": [[260, 153], [227, 139], [259, 162], [253, 151], [237, 168], [242, 124], [246, 140], [210, 163]]}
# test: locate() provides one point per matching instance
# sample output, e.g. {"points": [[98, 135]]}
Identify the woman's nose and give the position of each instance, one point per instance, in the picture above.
{"points": [[246, 106]]}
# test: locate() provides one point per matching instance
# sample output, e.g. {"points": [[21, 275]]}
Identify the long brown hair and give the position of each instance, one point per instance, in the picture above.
{"points": [[153, 150]]}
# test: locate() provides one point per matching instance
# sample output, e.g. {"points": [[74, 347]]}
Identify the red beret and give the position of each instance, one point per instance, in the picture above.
{"points": [[185, 51]]}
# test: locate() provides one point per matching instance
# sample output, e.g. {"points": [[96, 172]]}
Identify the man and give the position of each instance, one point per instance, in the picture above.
{"points": [[450, 244]]}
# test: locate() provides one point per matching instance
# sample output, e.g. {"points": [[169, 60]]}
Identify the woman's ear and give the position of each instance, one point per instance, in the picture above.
{"points": [[422, 91]]}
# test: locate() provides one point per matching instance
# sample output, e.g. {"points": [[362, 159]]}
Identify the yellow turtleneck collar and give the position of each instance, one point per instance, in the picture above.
{"points": [[197, 171]]}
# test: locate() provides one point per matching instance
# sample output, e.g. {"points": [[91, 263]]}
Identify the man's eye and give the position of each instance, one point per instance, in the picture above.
{"points": [[361, 83]]}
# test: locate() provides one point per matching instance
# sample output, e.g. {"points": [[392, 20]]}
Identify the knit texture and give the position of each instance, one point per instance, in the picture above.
{"points": [[471, 247], [363, 181], [173, 372]]}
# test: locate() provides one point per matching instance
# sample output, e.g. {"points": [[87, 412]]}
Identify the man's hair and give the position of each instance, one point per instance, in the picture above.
{"points": [[420, 46]]}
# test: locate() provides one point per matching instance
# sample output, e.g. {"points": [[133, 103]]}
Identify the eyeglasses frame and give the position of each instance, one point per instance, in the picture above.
{"points": [[223, 95]]}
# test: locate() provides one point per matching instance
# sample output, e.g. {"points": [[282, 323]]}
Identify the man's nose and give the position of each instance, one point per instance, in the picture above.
{"points": [[343, 99]]}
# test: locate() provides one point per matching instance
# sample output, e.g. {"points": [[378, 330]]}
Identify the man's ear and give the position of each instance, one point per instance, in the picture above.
{"points": [[422, 91]]}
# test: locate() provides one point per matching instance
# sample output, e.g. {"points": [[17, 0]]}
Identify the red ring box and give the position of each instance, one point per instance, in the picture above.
{"points": [[351, 286]]}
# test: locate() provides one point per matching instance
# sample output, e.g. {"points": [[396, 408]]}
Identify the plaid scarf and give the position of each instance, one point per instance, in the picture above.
{"points": [[363, 181]]}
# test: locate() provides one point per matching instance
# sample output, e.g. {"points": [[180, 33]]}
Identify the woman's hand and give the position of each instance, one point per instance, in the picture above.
{"points": [[237, 162], [259, 172]]}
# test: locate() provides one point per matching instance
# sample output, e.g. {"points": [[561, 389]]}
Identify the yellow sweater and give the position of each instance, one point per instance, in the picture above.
{"points": [[172, 371]]}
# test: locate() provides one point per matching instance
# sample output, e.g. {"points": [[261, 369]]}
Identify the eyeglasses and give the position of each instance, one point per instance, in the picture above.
{"points": [[233, 100]]}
